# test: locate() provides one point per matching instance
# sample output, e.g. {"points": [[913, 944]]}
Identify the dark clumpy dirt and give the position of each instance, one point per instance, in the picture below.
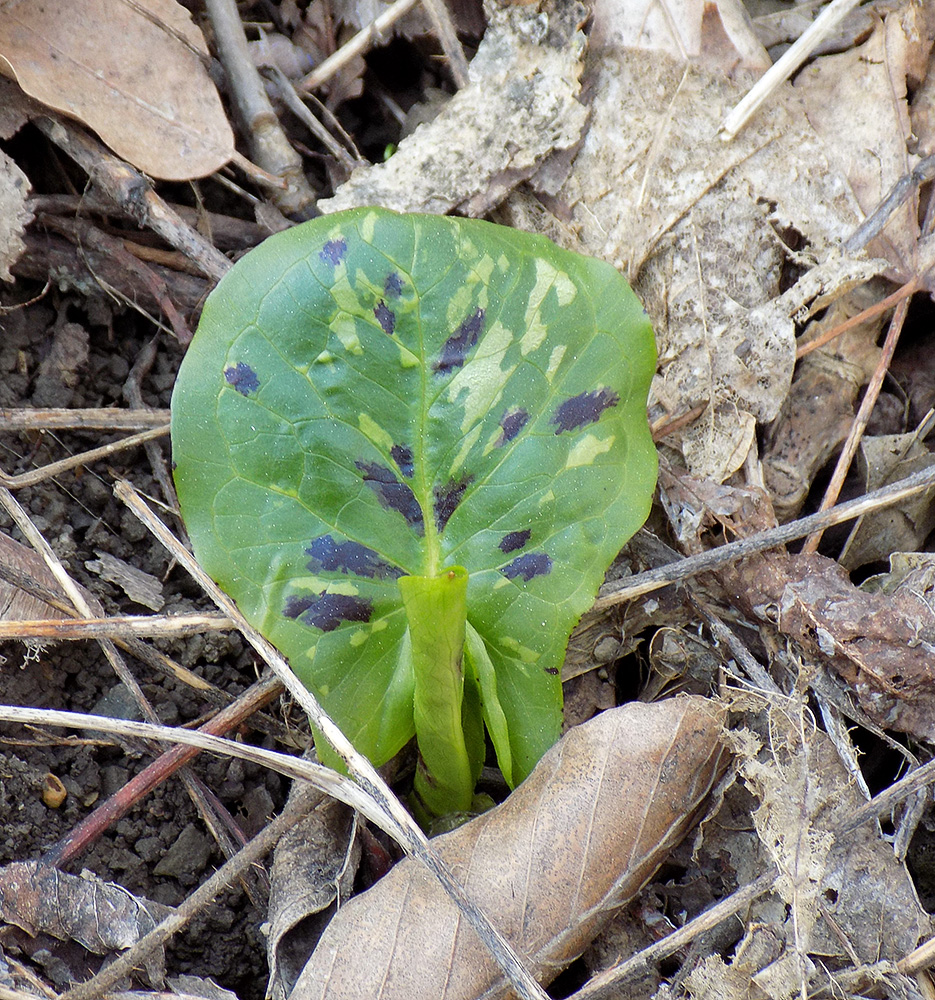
{"points": [[76, 353]]}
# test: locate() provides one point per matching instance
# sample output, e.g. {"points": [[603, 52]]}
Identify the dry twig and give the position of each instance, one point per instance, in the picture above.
{"points": [[258, 122]]}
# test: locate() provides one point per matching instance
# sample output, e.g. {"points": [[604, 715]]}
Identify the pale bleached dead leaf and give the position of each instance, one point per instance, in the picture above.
{"points": [[856, 101], [656, 191], [15, 216], [718, 35], [839, 898], [580, 836], [135, 76], [520, 105]]}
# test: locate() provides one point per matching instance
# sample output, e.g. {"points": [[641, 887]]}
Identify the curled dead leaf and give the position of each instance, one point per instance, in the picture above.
{"points": [[140, 84], [579, 837]]}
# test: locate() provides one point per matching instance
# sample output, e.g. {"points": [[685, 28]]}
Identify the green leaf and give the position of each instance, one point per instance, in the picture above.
{"points": [[372, 397]]}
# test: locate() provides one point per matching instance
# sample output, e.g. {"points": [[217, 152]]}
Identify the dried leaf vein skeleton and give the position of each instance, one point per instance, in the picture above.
{"points": [[396, 422]]}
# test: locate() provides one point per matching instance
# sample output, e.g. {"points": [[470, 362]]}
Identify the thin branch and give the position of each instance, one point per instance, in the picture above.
{"points": [[786, 65], [92, 418], [132, 192], [448, 36], [643, 583], [258, 122], [84, 458], [355, 46], [116, 627]]}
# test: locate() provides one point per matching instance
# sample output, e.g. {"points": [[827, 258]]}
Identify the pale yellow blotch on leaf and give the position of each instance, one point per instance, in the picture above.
{"points": [[368, 225], [406, 358], [555, 359], [587, 448], [524, 653], [480, 386], [547, 277], [373, 432], [344, 328], [470, 439], [472, 295], [484, 267], [331, 586]]}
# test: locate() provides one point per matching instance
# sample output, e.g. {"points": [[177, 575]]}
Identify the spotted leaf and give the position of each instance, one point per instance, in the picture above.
{"points": [[373, 399]]}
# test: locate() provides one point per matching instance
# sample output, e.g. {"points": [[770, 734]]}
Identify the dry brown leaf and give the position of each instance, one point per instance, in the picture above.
{"points": [[101, 916], [881, 646], [883, 459], [579, 837], [135, 76], [313, 872], [819, 410], [856, 101], [16, 603]]}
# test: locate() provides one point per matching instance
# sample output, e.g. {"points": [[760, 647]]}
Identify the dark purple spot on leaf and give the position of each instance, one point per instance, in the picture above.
{"points": [[393, 286], [527, 566], [456, 348], [327, 611], [393, 494], [514, 540], [333, 252], [448, 497], [511, 423], [348, 557], [585, 408], [385, 317], [402, 456], [242, 377]]}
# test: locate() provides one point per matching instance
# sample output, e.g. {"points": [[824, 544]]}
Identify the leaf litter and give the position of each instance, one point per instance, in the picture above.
{"points": [[736, 250]]}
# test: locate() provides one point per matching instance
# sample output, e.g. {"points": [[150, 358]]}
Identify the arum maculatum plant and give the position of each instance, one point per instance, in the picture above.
{"points": [[409, 447]]}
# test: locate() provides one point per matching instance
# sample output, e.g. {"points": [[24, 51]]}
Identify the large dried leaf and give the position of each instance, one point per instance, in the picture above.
{"points": [[524, 85], [656, 190], [133, 72], [578, 838]]}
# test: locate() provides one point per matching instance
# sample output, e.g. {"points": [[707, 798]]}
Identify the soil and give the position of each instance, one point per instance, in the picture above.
{"points": [[80, 518]]}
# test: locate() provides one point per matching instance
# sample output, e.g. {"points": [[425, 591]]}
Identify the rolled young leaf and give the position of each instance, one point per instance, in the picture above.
{"points": [[373, 396]]}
